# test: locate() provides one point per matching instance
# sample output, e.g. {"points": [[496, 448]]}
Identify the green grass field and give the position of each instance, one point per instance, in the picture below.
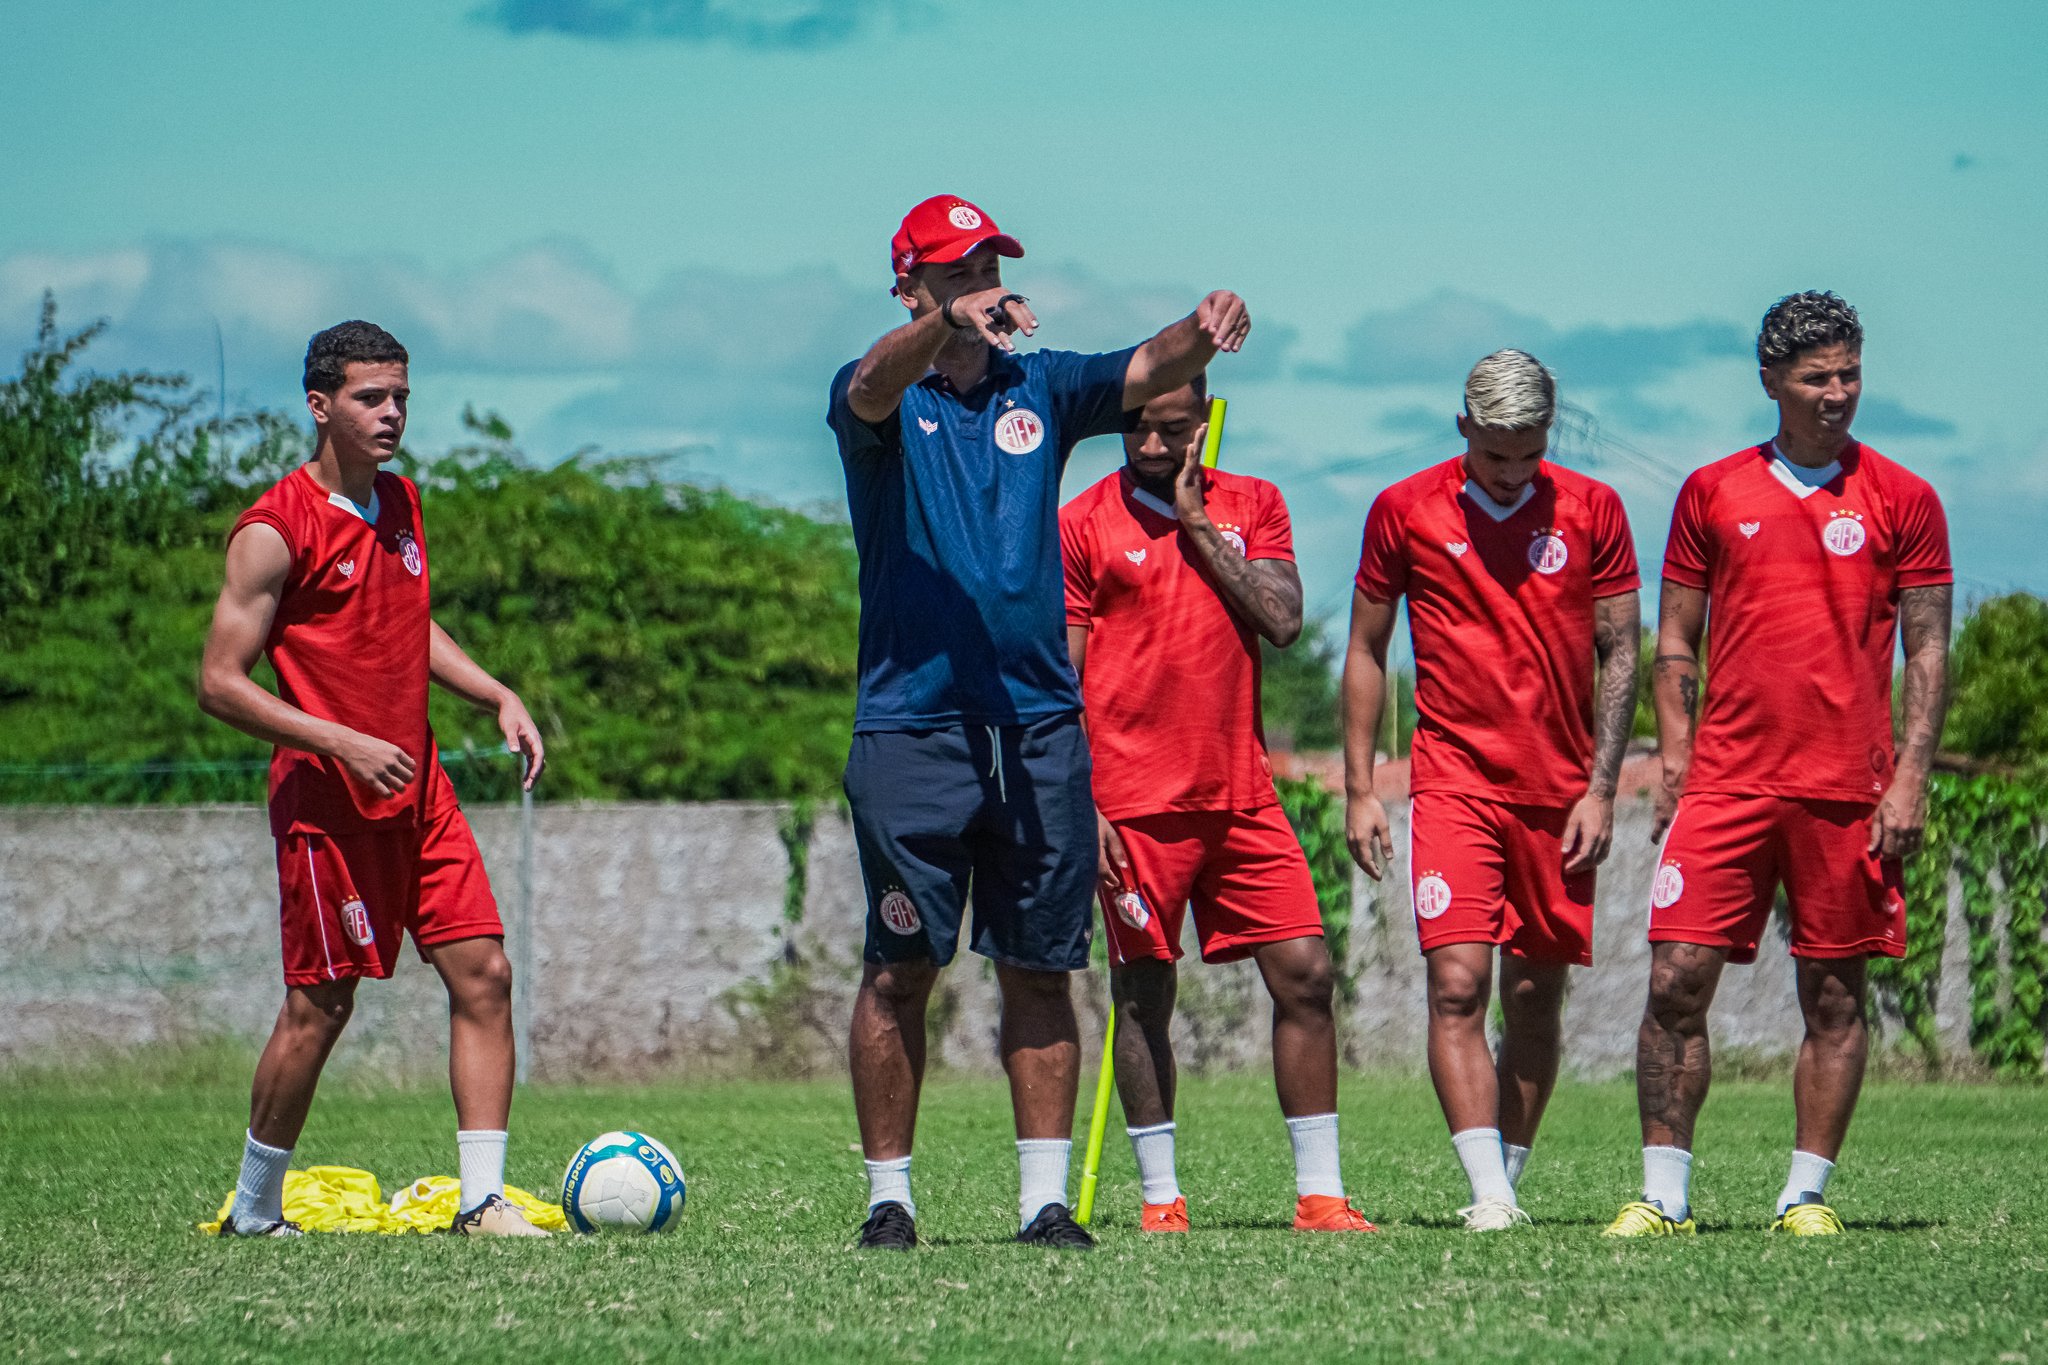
{"points": [[106, 1173]]}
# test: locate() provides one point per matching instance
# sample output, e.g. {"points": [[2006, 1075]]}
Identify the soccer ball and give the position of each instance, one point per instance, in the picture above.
{"points": [[623, 1182]]}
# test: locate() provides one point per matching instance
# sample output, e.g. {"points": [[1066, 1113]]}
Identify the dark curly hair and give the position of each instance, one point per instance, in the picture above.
{"points": [[330, 353], [1800, 322]]}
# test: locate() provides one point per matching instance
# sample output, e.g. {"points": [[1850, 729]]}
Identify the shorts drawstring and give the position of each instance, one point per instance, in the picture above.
{"points": [[995, 767]]}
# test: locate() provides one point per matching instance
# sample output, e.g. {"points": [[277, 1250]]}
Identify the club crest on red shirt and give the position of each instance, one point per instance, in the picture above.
{"points": [[409, 551], [1547, 552], [1843, 535]]}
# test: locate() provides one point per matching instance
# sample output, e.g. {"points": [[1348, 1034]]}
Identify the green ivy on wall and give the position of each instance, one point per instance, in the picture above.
{"points": [[1317, 814], [1985, 836]]}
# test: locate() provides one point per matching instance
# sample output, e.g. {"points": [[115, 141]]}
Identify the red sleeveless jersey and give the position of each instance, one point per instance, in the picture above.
{"points": [[350, 644]]}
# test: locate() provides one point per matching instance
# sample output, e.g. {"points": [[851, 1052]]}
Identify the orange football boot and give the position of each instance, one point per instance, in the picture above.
{"points": [[1328, 1213], [1165, 1217]]}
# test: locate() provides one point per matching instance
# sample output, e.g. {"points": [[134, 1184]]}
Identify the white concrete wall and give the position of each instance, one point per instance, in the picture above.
{"points": [[658, 931]]}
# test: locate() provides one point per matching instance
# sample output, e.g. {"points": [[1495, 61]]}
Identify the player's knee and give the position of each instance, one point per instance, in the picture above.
{"points": [[899, 984], [320, 1015], [1678, 997], [1456, 995], [1834, 1010], [1023, 987], [1308, 987], [489, 982], [1531, 1006]]}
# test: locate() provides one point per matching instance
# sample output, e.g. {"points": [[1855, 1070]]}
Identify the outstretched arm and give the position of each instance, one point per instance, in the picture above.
{"points": [[1617, 636], [460, 674], [1675, 688], [1263, 593], [1899, 822], [258, 561], [1184, 349], [1366, 832]]}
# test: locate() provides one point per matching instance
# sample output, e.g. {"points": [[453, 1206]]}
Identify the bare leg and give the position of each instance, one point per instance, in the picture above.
{"points": [[1829, 1075], [480, 1047], [1298, 977], [1040, 1043], [886, 1054], [1531, 1006], [1460, 1063], [1145, 1073], [1673, 1065], [289, 1070]]}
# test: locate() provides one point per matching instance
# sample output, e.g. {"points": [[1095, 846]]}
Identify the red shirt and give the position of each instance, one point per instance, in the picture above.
{"points": [[1172, 682], [1803, 592], [350, 644], [1501, 615]]}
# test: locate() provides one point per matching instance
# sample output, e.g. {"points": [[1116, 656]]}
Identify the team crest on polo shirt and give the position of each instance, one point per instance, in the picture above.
{"points": [[1020, 431], [1668, 887], [1432, 895], [1130, 908], [1843, 535], [409, 551], [898, 913], [1547, 552], [964, 218], [355, 918]]}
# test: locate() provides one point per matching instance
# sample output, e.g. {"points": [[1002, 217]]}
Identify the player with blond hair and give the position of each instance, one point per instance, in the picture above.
{"points": [[1521, 584]]}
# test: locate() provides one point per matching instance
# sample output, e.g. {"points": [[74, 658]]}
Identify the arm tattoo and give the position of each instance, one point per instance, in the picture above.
{"points": [[1617, 637], [1924, 627], [1265, 594]]}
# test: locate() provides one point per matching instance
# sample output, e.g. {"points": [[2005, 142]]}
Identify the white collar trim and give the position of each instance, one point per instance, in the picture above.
{"points": [[1485, 503], [1163, 508], [354, 508], [1803, 482]]}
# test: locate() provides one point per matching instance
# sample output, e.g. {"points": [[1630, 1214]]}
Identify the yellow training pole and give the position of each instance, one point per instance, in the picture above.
{"points": [[1212, 444], [1098, 1122]]}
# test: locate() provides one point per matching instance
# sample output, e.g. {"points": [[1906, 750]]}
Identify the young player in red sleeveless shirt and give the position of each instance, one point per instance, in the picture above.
{"points": [[1174, 572], [1817, 554], [1519, 575], [327, 576]]}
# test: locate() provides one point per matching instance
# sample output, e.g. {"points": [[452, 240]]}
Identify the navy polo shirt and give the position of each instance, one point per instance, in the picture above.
{"points": [[955, 506]]}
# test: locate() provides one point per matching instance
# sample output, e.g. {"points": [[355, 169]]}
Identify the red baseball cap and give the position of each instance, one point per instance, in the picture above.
{"points": [[943, 228]]}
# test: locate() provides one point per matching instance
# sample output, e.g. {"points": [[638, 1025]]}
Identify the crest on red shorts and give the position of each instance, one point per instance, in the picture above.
{"points": [[1668, 887], [355, 918], [1130, 908], [899, 913], [1432, 895]]}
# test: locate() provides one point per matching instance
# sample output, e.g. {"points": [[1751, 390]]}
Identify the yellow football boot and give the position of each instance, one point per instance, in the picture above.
{"points": [[1644, 1219], [1809, 1220]]}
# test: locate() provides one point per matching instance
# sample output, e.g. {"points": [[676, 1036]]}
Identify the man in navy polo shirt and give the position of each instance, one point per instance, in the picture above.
{"points": [[969, 767]]}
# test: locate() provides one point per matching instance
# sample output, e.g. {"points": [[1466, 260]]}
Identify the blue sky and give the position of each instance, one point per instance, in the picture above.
{"points": [[661, 224]]}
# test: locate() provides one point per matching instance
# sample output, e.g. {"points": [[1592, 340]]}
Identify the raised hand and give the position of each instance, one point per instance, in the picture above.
{"points": [[993, 314], [1224, 320]]}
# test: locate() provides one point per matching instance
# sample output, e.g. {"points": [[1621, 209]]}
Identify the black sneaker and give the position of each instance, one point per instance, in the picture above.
{"points": [[889, 1228], [283, 1227], [1055, 1227]]}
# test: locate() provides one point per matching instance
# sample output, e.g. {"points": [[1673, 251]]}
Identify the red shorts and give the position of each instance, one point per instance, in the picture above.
{"points": [[1493, 872], [345, 898], [1242, 871], [1725, 857]]}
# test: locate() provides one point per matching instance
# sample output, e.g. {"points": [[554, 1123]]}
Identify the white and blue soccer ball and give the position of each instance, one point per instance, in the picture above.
{"points": [[623, 1182]]}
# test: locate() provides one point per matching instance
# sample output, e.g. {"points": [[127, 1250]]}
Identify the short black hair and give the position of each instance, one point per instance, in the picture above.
{"points": [[1803, 321], [1200, 384], [355, 342]]}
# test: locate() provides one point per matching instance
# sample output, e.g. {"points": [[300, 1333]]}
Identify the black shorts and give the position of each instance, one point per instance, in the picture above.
{"points": [[1005, 812]]}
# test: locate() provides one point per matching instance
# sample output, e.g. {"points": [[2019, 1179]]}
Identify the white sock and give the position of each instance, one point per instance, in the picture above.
{"points": [[1517, 1158], [1154, 1149], [1809, 1176], [889, 1182], [1485, 1165], [481, 1152], [1315, 1155], [259, 1189], [1667, 1180], [1042, 1175]]}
